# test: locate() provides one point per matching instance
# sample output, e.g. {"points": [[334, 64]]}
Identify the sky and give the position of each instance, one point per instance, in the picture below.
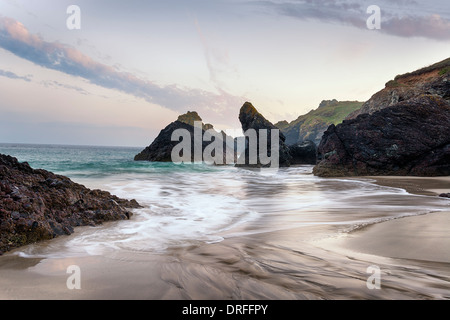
{"points": [[129, 68]]}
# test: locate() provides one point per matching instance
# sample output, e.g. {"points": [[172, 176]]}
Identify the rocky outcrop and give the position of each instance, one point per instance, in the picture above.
{"points": [[303, 153], [38, 205], [160, 150], [432, 80], [250, 118], [409, 138], [191, 117], [311, 126]]}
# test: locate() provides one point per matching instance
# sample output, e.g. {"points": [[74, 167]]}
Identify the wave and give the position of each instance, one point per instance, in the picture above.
{"points": [[192, 205], [196, 203]]}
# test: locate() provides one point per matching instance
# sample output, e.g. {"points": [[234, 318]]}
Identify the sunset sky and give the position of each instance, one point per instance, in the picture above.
{"points": [[134, 66]]}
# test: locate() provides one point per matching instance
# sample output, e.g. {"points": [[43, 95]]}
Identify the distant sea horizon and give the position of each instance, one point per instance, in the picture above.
{"points": [[70, 145]]}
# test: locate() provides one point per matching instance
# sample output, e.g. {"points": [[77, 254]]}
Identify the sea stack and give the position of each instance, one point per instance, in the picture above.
{"points": [[160, 150], [250, 118]]}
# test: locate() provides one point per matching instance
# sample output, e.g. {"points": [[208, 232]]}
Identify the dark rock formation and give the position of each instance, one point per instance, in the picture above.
{"points": [[303, 153], [38, 205], [445, 195], [250, 118], [409, 138], [160, 150], [432, 80]]}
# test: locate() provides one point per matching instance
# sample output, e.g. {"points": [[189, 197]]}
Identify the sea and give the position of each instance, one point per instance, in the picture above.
{"points": [[192, 205]]}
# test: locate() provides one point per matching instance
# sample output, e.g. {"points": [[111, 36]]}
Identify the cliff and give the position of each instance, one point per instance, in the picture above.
{"points": [[409, 138], [432, 80], [312, 125]]}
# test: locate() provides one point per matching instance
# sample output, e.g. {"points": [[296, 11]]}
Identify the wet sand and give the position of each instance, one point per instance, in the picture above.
{"points": [[417, 185], [411, 252], [424, 237]]}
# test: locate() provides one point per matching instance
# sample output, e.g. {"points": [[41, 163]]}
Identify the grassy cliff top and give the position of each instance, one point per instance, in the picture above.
{"points": [[189, 117], [330, 112], [443, 67]]}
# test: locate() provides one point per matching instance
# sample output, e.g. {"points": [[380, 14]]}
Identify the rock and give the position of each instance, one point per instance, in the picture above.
{"points": [[445, 195], [44, 205], [189, 118], [303, 153], [250, 118], [327, 103], [15, 215], [431, 80], [409, 138], [282, 124], [160, 150]]}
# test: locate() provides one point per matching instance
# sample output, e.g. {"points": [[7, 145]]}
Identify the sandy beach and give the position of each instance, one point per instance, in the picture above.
{"points": [[411, 252], [424, 237]]}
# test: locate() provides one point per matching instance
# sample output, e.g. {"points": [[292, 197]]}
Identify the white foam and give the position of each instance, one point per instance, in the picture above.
{"points": [[183, 208]]}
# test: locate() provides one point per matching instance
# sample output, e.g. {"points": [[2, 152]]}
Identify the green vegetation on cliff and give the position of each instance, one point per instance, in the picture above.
{"points": [[312, 125]]}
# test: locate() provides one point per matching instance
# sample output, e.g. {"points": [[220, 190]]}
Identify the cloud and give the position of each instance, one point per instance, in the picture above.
{"points": [[12, 75], [434, 26], [15, 38], [56, 84], [404, 18], [217, 60]]}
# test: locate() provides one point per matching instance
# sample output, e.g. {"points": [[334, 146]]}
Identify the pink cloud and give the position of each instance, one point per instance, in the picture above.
{"points": [[15, 38]]}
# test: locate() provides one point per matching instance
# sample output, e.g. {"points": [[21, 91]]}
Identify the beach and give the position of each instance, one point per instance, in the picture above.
{"points": [[227, 150], [290, 264]]}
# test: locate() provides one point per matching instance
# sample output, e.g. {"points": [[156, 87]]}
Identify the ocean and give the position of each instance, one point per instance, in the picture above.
{"points": [[197, 205]]}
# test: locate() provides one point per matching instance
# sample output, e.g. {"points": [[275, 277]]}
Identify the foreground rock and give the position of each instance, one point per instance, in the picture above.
{"points": [[250, 118], [38, 205], [160, 150], [409, 138]]}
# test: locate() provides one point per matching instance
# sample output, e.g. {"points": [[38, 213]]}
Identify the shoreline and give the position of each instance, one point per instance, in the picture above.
{"points": [[245, 267], [417, 237], [427, 186]]}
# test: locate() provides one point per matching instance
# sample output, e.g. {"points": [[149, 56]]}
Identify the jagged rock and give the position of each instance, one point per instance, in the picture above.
{"points": [[409, 138], [190, 117], [250, 118], [37, 205], [160, 150], [303, 153]]}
